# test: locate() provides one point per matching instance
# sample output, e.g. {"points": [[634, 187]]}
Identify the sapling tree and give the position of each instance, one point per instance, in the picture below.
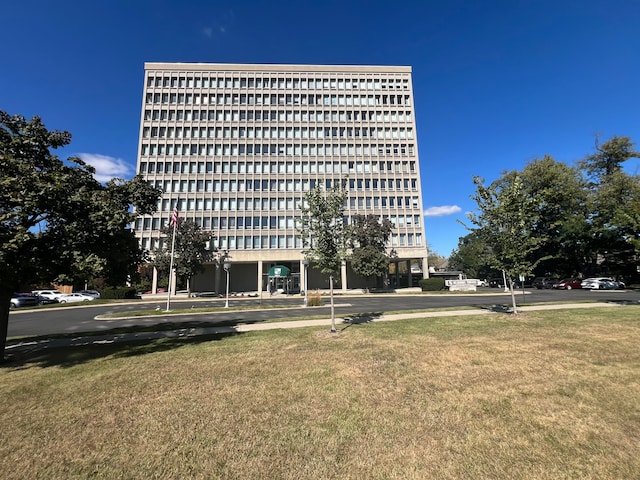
{"points": [[322, 229], [505, 221]]}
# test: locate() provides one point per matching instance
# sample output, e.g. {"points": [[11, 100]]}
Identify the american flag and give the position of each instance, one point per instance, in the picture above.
{"points": [[174, 216]]}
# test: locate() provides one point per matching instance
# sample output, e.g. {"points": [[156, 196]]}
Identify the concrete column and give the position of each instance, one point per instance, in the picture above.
{"points": [[154, 281], [409, 274], [216, 277], [174, 281], [425, 267], [259, 277], [343, 276]]}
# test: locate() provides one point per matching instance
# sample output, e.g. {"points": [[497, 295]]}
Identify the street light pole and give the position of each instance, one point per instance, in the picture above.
{"points": [[305, 264], [227, 267]]}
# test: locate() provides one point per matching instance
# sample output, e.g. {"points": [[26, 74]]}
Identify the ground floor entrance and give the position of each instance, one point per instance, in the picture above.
{"points": [[296, 276]]}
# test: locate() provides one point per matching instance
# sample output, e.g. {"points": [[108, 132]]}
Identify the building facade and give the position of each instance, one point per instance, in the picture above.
{"points": [[236, 147]]}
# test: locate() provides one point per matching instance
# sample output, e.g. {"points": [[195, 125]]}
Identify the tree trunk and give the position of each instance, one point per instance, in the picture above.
{"points": [[5, 306], [333, 312], [513, 297]]}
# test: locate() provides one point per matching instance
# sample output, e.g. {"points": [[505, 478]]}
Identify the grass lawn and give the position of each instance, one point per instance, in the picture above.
{"points": [[544, 395]]}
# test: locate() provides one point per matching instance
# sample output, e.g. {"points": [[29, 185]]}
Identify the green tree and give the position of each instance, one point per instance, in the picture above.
{"points": [[192, 251], [472, 257], [435, 260], [368, 238], [505, 221], [57, 223], [557, 193], [608, 157], [614, 207], [322, 229]]}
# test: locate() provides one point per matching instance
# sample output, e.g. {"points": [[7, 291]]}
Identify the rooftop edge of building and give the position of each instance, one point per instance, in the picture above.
{"points": [[259, 67]]}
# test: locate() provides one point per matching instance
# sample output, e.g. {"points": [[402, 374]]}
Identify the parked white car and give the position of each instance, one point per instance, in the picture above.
{"points": [[75, 297], [602, 283], [51, 294]]}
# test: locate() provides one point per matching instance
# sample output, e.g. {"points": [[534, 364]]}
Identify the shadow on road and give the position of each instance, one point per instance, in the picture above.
{"points": [[72, 349]]}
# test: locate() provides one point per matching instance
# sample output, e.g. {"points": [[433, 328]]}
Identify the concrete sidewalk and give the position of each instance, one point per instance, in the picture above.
{"points": [[15, 346]]}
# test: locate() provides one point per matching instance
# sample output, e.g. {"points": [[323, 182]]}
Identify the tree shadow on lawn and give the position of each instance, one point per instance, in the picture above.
{"points": [[73, 349], [359, 318]]}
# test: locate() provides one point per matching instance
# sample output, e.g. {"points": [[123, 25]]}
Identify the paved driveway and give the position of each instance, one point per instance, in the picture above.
{"points": [[84, 318]]}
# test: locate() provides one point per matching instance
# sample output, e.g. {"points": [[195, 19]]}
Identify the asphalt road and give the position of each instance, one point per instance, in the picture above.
{"points": [[82, 318]]}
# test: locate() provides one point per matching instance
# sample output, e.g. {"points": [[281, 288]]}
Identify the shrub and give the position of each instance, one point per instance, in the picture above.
{"points": [[432, 284], [314, 299], [118, 292]]}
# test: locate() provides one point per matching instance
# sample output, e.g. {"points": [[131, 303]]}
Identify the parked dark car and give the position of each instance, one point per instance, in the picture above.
{"points": [[23, 300], [45, 300], [496, 282], [568, 284], [544, 282], [527, 283]]}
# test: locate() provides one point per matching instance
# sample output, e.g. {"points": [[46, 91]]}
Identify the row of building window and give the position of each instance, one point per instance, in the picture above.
{"points": [[260, 242], [279, 132], [349, 167], [394, 116], [279, 83], [313, 150], [281, 185], [265, 222], [275, 99], [275, 204]]}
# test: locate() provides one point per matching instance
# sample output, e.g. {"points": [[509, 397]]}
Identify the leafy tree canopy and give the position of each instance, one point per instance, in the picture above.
{"points": [[323, 229], [609, 157], [559, 220], [504, 223], [368, 238], [472, 257], [192, 249], [57, 223]]}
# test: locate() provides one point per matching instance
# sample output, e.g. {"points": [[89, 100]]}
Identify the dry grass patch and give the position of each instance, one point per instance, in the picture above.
{"points": [[547, 395]]}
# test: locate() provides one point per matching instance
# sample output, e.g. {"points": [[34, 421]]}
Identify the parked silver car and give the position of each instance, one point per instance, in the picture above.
{"points": [[602, 283], [23, 300], [91, 293], [75, 297]]}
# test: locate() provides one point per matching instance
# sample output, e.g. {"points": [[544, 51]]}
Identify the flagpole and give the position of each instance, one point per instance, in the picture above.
{"points": [[174, 220]]}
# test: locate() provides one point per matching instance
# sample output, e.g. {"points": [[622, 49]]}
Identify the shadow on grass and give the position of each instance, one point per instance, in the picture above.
{"points": [[495, 308], [623, 301], [72, 349], [359, 318]]}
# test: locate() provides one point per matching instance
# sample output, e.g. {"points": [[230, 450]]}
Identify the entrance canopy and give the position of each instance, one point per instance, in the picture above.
{"points": [[279, 271]]}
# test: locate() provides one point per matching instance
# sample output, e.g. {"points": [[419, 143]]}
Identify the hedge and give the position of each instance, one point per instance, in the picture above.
{"points": [[118, 292], [432, 284]]}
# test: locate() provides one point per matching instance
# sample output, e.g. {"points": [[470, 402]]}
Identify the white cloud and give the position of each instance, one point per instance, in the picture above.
{"points": [[441, 211], [106, 167], [220, 25]]}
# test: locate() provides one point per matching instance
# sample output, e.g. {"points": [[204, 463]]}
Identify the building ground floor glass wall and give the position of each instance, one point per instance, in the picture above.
{"points": [[290, 276]]}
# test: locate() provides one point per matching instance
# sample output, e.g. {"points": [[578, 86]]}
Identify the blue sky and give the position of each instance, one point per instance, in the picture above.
{"points": [[496, 83]]}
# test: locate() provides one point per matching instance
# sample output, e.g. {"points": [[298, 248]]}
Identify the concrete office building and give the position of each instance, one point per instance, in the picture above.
{"points": [[236, 147]]}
